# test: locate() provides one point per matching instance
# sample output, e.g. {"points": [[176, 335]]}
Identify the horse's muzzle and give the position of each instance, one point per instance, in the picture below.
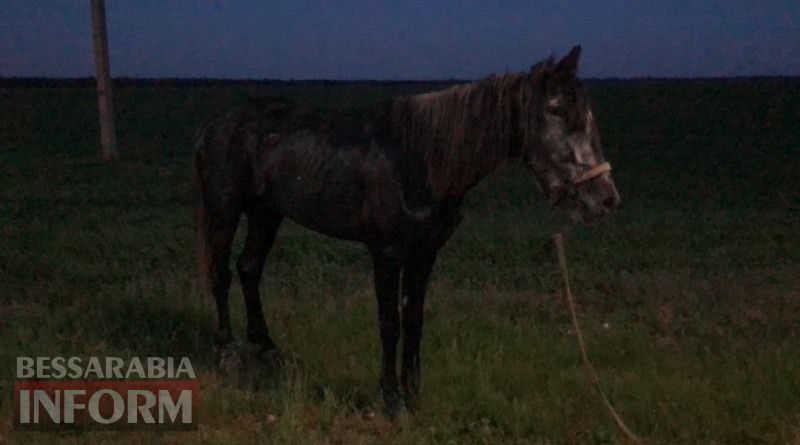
{"points": [[597, 198]]}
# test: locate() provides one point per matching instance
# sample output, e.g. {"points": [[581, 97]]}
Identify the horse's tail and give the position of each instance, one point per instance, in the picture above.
{"points": [[201, 216]]}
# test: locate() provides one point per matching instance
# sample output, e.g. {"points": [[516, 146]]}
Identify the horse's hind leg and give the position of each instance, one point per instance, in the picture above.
{"points": [[262, 226], [220, 238]]}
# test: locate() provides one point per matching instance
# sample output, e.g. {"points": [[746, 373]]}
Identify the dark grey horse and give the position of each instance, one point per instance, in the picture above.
{"points": [[395, 184]]}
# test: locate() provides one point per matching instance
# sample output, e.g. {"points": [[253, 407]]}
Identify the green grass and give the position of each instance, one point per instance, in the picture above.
{"points": [[689, 295]]}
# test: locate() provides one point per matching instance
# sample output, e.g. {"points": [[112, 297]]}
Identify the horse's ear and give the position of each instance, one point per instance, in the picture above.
{"points": [[543, 65], [569, 64]]}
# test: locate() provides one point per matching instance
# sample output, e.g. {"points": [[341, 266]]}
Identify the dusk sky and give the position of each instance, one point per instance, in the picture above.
{"points": [[351, 39]]}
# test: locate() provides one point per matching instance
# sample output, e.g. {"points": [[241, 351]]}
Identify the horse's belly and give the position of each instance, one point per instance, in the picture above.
{"points": [[344, 193], [332, 209]]}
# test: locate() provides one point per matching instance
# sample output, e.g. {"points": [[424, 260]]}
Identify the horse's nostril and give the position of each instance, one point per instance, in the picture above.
{"points": [[610, 202]]}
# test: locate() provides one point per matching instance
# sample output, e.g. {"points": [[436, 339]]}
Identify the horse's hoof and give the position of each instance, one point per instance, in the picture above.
{"points": [[271, 358], [412, 404], [230, 357], [393, 408]]}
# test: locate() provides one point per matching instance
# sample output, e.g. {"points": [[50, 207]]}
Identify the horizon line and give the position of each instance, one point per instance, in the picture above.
{"points": [[365, 80]]}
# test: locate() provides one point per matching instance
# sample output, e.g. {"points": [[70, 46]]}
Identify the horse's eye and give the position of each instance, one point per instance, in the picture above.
{"points": [[557, 111]]}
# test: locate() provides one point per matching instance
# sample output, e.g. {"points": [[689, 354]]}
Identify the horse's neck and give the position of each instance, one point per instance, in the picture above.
{"points": [[463, 134]]}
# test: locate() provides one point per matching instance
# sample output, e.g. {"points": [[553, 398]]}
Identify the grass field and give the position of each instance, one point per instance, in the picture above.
{"points": [[689, 295]]}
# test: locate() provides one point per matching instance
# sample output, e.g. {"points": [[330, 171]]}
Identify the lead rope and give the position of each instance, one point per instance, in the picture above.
{"points": [[558, 240]]}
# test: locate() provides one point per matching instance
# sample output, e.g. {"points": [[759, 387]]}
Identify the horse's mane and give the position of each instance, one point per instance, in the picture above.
{"points": [[464, 132]]}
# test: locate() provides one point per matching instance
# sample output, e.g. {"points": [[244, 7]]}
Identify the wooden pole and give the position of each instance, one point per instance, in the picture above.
{"points": [[108, 137]]}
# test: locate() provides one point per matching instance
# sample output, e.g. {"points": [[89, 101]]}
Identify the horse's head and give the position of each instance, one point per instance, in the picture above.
{"points": [[563, 147]]}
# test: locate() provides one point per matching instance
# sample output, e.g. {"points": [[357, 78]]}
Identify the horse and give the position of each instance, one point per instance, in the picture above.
{"points": [[395, 184]]}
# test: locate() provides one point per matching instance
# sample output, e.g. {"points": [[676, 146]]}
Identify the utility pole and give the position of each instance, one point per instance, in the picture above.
{"points": [[108, 137]]}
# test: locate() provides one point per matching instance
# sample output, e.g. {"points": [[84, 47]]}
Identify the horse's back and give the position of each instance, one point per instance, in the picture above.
{"points": [[327, 173], [320, 170]]}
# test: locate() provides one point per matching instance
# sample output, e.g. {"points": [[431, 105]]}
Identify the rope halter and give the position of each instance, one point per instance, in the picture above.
{"points": [[571, 187], [592, 173]]}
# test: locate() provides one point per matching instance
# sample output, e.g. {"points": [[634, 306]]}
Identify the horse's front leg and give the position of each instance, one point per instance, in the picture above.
{"points": [[386, 262], [416, 272]]}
